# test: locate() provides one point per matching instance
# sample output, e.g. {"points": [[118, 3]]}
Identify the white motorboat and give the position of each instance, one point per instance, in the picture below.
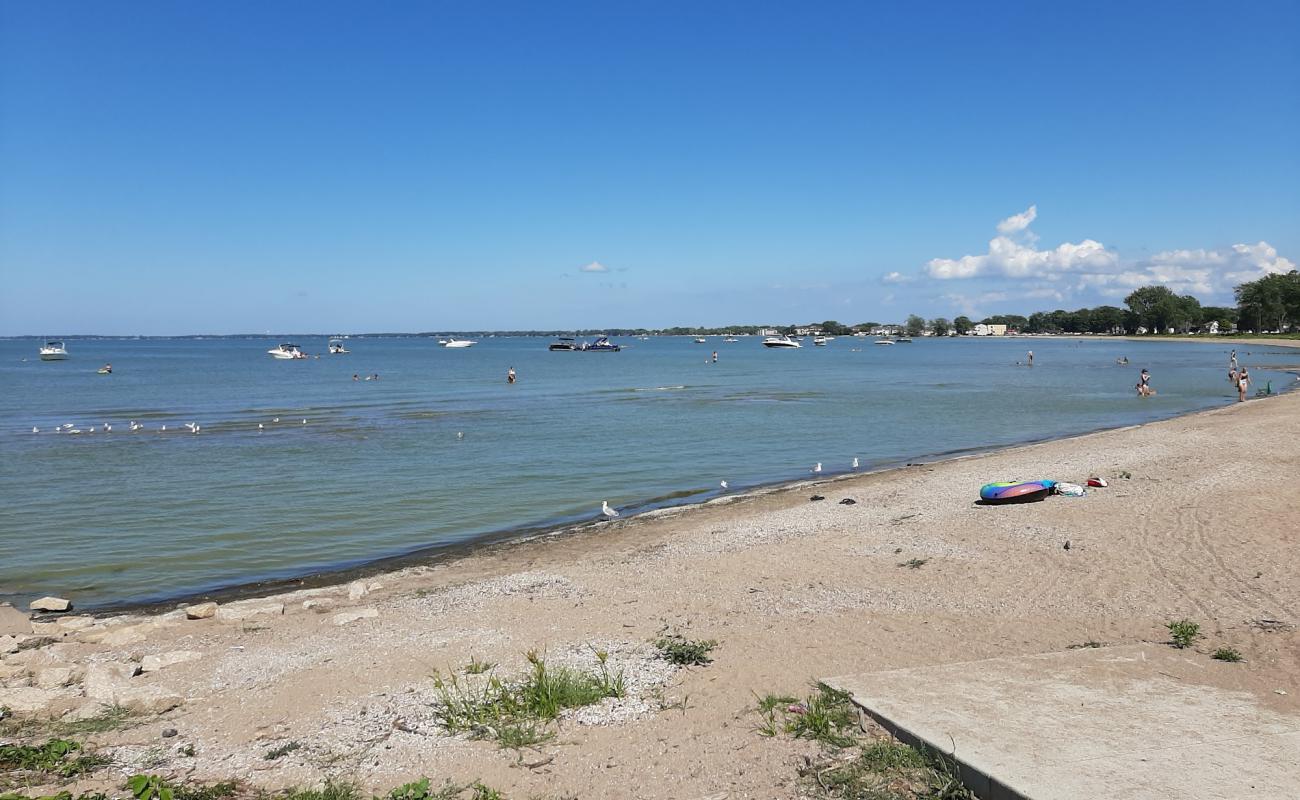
{"points": [[780, 341], [53, 350], [731, 340], [454, 342], [337, 348], [820, 341], [884, 341], [286, 352], [700, 340]]}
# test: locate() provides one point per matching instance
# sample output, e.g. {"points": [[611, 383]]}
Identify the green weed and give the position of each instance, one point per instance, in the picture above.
{"points": [[281, 751], [513, 713], [330, 791], [1183, 632], [56, 757], [113, 718], [677, 649], [1229, 654], [476, 667]]}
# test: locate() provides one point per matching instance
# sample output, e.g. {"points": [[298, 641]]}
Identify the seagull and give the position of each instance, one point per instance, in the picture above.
{"points": [[723, 484], [191, 426], [36, 430], [108, 428], [92, 428], [304, 421], [817, 468], [606, 510], [855, 462], [260, 427], [163, 428], [277, 419], [461, 435]]}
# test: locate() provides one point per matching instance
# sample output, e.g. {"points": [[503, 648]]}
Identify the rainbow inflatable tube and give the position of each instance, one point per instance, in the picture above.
{"points": [[1015, 491]]}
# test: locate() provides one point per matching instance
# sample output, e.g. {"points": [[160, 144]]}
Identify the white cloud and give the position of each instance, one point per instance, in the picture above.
{"points": [[1018, 222], [895, 277], [594, 266], [1089, 266], [1013, 254]]}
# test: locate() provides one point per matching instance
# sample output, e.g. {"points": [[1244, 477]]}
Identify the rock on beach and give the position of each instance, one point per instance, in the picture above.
{"points": [[201, 611], [50, 604]]}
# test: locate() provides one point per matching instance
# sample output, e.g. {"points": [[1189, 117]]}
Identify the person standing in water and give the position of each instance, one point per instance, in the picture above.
{"points": [[510, 375], [715, 356], [1144, 384], [1243, 383], [1232, 361], [1031, 358]]}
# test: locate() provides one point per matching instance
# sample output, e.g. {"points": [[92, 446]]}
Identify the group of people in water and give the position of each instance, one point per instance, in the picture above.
{"points": [[1238, 376]]}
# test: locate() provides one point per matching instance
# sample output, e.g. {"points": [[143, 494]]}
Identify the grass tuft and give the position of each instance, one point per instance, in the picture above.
{"points": [[113, 718], [677, 649], [915, 563], [282, 751], [60, 757], [1230, 654], [515, 713], [476, 667], [1183, 632]]}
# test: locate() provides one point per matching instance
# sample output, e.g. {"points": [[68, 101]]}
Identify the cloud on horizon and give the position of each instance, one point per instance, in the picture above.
{"points": [[594, 266], [1089, 267]]}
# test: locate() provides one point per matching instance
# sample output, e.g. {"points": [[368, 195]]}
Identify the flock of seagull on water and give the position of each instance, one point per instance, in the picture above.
{"points": [[610, 513], [192, 427]]}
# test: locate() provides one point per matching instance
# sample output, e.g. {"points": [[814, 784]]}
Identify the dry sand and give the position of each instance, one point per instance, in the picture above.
{"points": [[1207, 527]]}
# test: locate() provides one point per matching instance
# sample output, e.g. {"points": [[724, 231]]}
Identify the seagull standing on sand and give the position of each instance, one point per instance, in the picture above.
{"points": [[817, 468], [606, 510]]}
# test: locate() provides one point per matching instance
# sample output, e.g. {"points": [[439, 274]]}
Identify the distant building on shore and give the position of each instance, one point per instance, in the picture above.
{"points": [[981, 329]]}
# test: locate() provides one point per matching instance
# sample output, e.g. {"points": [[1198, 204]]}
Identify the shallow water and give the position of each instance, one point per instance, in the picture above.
{"points": [[379, 470]]}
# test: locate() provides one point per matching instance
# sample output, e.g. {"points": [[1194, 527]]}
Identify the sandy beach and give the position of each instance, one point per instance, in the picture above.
{"points": [[1201, 520]]}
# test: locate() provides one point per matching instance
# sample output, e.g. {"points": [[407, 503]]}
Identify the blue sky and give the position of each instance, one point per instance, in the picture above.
{"points": [[316, 166]]}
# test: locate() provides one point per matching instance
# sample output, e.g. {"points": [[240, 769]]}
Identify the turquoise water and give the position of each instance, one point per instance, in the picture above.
{"points": [[379, 469]]}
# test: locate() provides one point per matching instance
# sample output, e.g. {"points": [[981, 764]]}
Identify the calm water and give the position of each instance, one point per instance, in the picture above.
{"points": [[378, 469]]}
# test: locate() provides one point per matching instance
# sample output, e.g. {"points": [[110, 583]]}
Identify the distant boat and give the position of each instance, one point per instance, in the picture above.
{"points": [[337, 348], [731, 340], [563, 344], [780, 341], [454, 342], [884, 341], [601, 345], [903, 340], [700, 340], [53, 350], [820, 341], [286, 352]]}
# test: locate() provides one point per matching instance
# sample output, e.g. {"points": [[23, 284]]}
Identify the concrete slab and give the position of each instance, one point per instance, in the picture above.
{"points": [[1140, 721]]}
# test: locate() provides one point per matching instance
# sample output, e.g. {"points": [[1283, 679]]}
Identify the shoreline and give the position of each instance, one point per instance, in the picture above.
{"points": [[430, 555], [912, 573]]}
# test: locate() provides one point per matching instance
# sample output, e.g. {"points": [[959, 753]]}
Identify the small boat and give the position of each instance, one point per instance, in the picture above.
{"points": [[107, 369], [53, 350], [563, 344], [336, 347], [884, 341], [454, 342], [700, 340], [903, 340], [820, 341], [780, 341], [286, 352], [601, 345], [731, 340]]}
